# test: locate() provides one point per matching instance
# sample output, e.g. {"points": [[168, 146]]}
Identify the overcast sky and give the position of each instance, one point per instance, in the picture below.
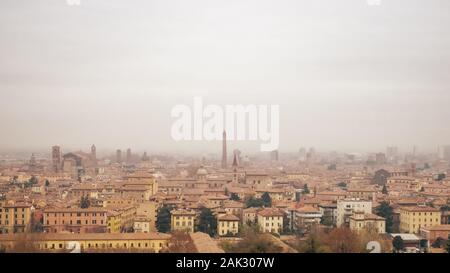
{"points": [[347, 76]]}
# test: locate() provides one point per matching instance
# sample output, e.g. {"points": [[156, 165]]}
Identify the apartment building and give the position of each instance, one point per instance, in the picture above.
{"points": [[346, 208], [75, 220], [412, 219], [360, 221], [183, 220], [228, 224], [14, 218], [92, 242], [270, 220]]}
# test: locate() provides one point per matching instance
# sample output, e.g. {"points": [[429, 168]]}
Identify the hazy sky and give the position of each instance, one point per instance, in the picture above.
{"points": [[347, 76]]}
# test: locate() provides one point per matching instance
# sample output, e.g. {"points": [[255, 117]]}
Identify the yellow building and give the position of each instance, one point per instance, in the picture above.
{"points": [[148, 210], [89, 242], [183, 220], [113, 220], [14, 218], [270, 220], [228, 225], [414, 218], [360, 221]]}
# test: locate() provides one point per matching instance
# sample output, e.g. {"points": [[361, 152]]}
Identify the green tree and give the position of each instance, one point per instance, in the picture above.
{"points": [[386, 211], [85, 202], [286, 224], [235, 197], [207, 222], [267, 200], [398, 244], [297, 196], [384, 190], [440, 177], [439, 242], [163, 219], [254, 202], [326, 221], [305, 189], [447, 246], [33, 180]]}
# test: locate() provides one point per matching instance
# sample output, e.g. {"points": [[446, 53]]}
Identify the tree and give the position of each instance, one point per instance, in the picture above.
{"points": [[342, 240], [384, 190], [253, 242], [84, 202], [305, 189], [398, 244], [207, 222], [423, 244], [35, 226], [267, 200], [180, 242], [386, 211], [342, 185], [440, 177], [286, 224], [439, 242], [235, 197], [254, 203], [313, 244], [297, 196], [163, 219], [33, 180], [447, 247], [47, 183], [326, 221]]}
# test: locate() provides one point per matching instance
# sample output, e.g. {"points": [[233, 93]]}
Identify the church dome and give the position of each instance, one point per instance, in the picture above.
{"points": [[202, 171]]}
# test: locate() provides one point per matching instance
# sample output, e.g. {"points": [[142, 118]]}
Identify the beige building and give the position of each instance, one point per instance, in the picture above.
{"points": [[92, 242], [14, 218], [148, 210], [183, 220], [228, 225], [346, 208], [258, 179], [249, 215], [360, 221], [75, 220], [142, 224], [270, 220], [412, 219], [139, 187]]}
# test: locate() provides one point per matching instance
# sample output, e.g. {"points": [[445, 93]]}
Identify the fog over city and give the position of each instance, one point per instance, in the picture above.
{"points": [[347, 76]]}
